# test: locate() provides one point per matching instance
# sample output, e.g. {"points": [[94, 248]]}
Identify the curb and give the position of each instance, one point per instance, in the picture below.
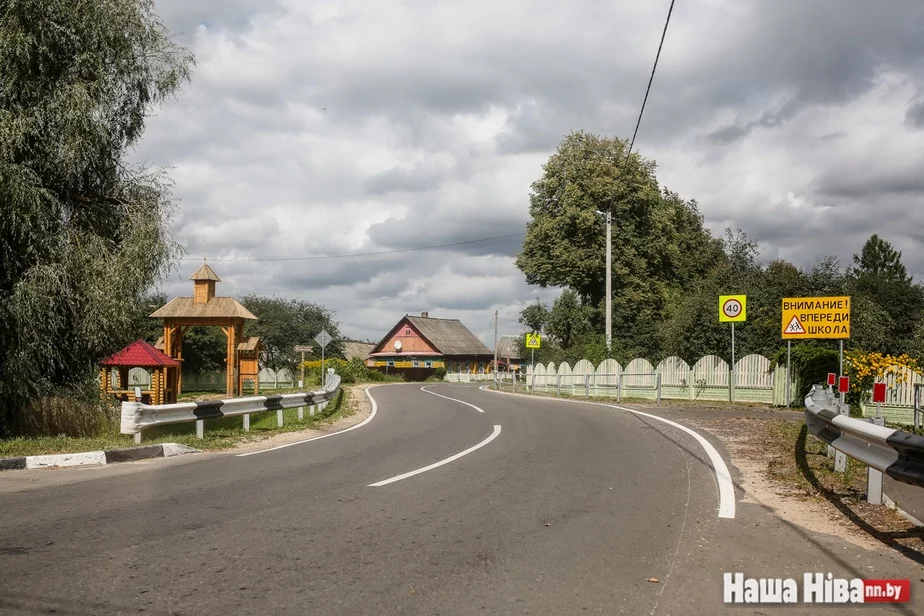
{"points": [[95, 458], [888, 502]]}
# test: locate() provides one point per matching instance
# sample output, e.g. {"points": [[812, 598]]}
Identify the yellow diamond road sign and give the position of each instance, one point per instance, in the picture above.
{"points": [[533, 341], [732, 308], [816, 317]]}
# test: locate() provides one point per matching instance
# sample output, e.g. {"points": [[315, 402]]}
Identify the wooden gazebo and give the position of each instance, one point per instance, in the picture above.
{"points": [[204, 308], [140, 354]]}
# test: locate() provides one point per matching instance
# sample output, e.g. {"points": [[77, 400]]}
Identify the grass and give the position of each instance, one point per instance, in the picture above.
{"points": [[220, 433]]}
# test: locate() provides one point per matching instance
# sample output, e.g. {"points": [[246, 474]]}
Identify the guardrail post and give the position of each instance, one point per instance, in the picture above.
{"points": [[279, 418], [200, 428], [658, 387], [312, 409], [301, 413], [138, 437], [873, 476], [840, 458], [247, 422]]}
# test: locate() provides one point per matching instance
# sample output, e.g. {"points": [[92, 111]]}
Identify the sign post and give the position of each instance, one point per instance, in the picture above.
{"points": [[323, 339], [302, 348], [732, 309], [533, 342], [818, 318]]}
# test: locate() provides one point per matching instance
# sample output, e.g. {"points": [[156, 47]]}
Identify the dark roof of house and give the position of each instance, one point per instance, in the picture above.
{"points": [[357, 349], [449, 336], [508, 346], [139, 354]]}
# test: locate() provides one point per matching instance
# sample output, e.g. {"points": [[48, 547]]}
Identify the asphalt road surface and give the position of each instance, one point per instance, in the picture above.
{"points": [[564, 508]]}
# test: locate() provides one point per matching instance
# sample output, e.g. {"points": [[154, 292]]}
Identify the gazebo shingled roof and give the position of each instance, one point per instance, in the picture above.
{"points": [[139, 354]]}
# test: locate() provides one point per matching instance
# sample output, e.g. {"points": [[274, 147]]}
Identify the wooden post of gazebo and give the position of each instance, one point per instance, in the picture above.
{"points": [[204, 309]]}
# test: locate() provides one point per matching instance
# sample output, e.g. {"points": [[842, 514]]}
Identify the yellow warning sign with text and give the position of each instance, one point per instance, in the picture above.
{"points": [[816, 317]]}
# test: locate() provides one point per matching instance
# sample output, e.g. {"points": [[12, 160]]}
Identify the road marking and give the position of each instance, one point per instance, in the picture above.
{"points": [[497, 430], [722, 475], [424, 388], [308, 440]]}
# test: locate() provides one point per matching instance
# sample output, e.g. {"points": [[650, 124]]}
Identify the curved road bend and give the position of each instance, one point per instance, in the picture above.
{"points": [[569, 509]]}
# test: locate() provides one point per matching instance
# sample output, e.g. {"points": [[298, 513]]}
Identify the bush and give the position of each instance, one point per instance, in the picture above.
{"points": [[439, 374], [71, 412], [810, 366]]}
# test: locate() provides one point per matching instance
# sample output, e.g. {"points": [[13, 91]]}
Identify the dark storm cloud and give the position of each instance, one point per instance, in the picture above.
{"points": [[334, 128]]}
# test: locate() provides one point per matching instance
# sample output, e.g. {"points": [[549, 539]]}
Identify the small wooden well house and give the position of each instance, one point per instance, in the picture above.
{"points": [[248, 354]]}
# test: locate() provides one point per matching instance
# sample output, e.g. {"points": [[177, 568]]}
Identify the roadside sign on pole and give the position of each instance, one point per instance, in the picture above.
{"points": [[323, 338], [832, 379], [879, 392], [732, 308], [533, 341], [816, 317], [843, 385], [302, 348]]}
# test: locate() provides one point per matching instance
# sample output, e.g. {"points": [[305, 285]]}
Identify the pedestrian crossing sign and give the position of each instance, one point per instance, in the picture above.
{"points": [[533, 341]]}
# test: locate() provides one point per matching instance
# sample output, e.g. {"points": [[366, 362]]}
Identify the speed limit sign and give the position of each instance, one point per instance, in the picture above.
{"points": [[732, 308]]}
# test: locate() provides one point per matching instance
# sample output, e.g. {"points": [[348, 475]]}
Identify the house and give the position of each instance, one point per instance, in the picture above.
{"points": [[417, 346], [508, 353], [357, 350]]}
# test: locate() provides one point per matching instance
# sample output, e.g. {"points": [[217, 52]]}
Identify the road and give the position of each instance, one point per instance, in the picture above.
{"points": [[568, 509]]}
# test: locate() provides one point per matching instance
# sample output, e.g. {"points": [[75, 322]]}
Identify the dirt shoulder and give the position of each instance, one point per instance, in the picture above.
{"points": [[786, 469]]}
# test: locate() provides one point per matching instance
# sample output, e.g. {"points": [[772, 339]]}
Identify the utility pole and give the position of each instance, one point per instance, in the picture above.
{"points": [[495, 348], [609, 282]]}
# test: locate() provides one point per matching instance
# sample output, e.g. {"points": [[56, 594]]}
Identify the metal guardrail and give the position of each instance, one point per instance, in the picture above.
{"points": [[137, 416], [896, 453]]}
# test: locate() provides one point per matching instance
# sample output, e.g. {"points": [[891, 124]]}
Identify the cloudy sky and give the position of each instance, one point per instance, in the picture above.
{"points": [[315, 128]]}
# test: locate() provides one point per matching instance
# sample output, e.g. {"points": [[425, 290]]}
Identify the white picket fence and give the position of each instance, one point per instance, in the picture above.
{"points": [[899, 405], [710, 378]]}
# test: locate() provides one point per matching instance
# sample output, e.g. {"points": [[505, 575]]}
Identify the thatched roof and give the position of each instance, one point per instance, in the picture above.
{"points": [[509, 346], [357, 349], [216, 307], [205, 273], [449, 336]]}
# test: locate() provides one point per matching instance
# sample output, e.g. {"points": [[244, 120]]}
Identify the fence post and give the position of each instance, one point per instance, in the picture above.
{"points": [[692, 384], [658, 386], [619, 387], [558, 385], [586, 386]]}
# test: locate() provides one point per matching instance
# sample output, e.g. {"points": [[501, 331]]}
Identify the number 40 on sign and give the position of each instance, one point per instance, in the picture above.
{"points": [[732, 308]]}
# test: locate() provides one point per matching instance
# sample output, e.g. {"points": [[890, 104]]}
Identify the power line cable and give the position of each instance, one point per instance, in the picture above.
{"points": [[361, 254], [650, 80]]}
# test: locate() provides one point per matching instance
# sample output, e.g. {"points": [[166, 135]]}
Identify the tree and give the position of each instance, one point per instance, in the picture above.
{"points": [[534, 317], [878, 258], [284, 323], [659, 244], [568, 321], [82, 234]]}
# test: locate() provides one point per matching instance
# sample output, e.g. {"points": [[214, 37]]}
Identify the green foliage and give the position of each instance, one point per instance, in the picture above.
{"points": [[284, 323], [810, 366], [83, 235], [879, 259], [659, 244], [439, 374], [204, 350], [534, 317], [352, 371]]}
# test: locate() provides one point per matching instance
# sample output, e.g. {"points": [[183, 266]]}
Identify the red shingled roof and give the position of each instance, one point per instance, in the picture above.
{"points": [[139, 354]]}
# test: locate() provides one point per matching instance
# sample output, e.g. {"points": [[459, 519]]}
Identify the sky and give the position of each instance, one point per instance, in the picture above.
{"points": [[318, 128]]}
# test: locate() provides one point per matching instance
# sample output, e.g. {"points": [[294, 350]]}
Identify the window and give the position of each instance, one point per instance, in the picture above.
{"points": [[428, 364], [416, 364], [407, 332], [391, 362]]}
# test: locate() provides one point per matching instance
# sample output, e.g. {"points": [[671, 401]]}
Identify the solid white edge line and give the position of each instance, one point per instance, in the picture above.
{"points": [[424, 388], [497, 430], [308, 440], [722, 475]]}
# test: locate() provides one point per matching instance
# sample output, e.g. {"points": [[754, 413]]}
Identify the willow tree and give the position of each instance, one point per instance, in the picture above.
{"points": [[83, 234]]}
